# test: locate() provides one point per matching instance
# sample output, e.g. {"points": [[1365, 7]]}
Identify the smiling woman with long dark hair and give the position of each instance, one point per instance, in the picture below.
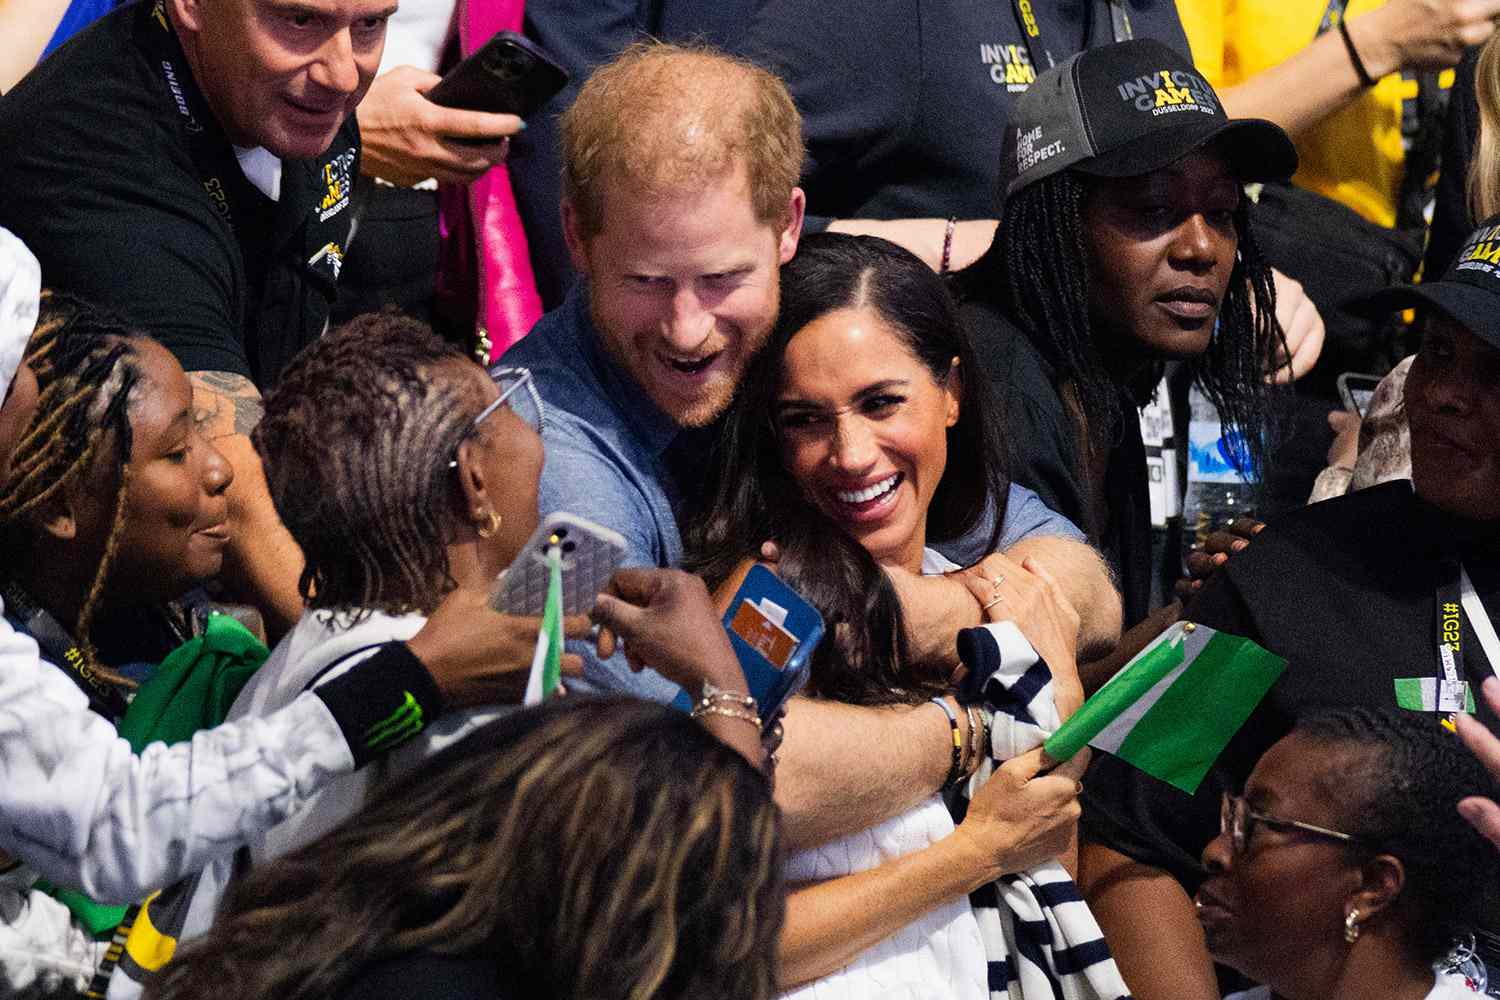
{"points": [[1120, 248]]}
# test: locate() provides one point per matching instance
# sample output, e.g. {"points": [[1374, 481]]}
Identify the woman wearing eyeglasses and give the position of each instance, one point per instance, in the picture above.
{"points": [[403, 471], [1344, 871]]}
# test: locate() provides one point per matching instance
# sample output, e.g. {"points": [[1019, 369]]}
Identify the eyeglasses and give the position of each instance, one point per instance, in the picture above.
{"points": [[518, 392], [1237, 819]]}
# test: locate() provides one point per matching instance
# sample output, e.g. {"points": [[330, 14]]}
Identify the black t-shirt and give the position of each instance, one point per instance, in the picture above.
{"points": [[1346, 591], [904, 102], [103, 178], [1042, 448]]}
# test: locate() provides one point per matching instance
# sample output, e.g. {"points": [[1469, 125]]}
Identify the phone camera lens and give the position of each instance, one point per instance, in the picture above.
{"points": [[506, 66]]}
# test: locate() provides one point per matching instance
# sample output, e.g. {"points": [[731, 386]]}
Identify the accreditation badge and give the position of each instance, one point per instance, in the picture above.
{"points": [[1432, 694]]}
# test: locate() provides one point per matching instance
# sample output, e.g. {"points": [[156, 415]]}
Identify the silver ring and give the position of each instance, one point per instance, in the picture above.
{"points": [[986, 607]]}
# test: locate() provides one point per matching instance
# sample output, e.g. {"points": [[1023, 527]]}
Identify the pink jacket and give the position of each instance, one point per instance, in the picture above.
{"points": [[485, 269]]}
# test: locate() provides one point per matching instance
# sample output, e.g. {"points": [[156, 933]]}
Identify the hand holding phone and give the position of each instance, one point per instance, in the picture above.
{"points": [[1357, 390], [590, 555], [510, 74], [773, 632], [665, 621], [406, 138]]}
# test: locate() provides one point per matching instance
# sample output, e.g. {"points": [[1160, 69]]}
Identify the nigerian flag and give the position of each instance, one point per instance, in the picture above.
{"points": [[1172, 709], [546, 662]]}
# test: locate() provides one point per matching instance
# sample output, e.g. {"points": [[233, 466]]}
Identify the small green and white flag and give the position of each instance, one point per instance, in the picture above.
{"points": [[1431, 694], [1172, 709], [546, 661]]}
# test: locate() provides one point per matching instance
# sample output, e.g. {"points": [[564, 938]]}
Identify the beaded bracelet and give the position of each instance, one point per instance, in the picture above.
{"points": [[948, 245], [956, 768], [718, 695]]}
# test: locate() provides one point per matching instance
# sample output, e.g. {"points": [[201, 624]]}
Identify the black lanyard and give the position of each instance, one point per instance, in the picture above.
{"points": [[212, 153], [1332, 15], [1454, 632], [1034, 34], [64, 652], [330, 177]]}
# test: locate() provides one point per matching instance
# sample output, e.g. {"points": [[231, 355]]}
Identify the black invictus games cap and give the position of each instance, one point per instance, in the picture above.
{"points": [[1127, 109], [1469, 292]]}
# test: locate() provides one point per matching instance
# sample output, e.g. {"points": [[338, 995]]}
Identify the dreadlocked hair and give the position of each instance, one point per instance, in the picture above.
{"points": [[1036, 272], [1399, 794], [355, 440], [85, 367]]}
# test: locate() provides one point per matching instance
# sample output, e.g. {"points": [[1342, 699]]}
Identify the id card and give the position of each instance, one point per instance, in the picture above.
{"points": [[764, 633]]}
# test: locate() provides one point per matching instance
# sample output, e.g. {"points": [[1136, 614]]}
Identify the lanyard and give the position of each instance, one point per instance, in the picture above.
{"points": [[325, 230], [1460, 615], [1332, 15], [64, 652], [213, 156], [1034, 36]]}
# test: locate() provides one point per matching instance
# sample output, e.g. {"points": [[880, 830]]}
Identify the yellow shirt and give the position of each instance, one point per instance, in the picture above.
{"points": [[1355, 155]]}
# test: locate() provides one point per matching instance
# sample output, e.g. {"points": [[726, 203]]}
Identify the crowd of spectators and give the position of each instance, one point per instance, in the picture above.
{"points": [[889, 298]]}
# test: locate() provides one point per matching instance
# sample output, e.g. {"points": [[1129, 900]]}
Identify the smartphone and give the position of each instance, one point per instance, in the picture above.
{"points": [[773, 632], [510, 75], [590, 555], [1356, 390]]}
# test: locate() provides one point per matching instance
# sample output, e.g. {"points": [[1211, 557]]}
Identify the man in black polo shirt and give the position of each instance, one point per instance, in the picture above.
{"points": [[189, 164]]}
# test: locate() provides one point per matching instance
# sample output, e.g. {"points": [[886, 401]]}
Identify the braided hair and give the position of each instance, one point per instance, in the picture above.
{"points": [[1036, 272], [86, 369], [1400, 797], [355, 441]]}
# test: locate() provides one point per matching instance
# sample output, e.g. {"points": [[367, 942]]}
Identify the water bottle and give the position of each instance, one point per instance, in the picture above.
{"points": [[1218, 490]]}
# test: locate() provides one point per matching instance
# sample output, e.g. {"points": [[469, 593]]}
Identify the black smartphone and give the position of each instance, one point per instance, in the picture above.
{"points": [[1356, 391], [509, 75]]}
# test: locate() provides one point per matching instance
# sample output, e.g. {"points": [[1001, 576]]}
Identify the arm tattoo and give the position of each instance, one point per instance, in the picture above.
{"points": [[224, 403]]}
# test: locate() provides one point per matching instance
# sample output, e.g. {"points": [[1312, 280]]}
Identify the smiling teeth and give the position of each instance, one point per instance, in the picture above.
{"points": [[869, 492]]}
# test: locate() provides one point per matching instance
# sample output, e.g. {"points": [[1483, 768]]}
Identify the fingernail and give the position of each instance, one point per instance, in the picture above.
{"points": [[522, 128], [1239, 545]]}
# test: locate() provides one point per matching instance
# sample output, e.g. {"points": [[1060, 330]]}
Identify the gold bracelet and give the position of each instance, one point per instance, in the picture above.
{"points": [[976, 731], [706, 708]]}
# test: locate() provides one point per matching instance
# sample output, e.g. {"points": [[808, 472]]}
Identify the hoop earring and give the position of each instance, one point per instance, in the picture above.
{"points": [[491, 524], [1351, 926]]}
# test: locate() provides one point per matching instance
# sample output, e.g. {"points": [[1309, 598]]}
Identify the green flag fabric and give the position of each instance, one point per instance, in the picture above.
{"points": [[190, 690], [552, 625], [1172, 709], [546, 661]]}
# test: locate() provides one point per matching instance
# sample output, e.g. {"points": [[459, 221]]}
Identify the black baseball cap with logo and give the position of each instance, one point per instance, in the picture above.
{"points": [[1468, 293], [1126, 109]]}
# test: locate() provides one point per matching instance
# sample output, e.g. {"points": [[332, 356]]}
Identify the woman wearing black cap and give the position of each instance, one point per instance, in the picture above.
{"points": [[1123, 244], [1383, 599]]}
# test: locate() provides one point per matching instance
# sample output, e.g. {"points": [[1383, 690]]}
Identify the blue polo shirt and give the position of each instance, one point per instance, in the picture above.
{"points": [[606, 460]]}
